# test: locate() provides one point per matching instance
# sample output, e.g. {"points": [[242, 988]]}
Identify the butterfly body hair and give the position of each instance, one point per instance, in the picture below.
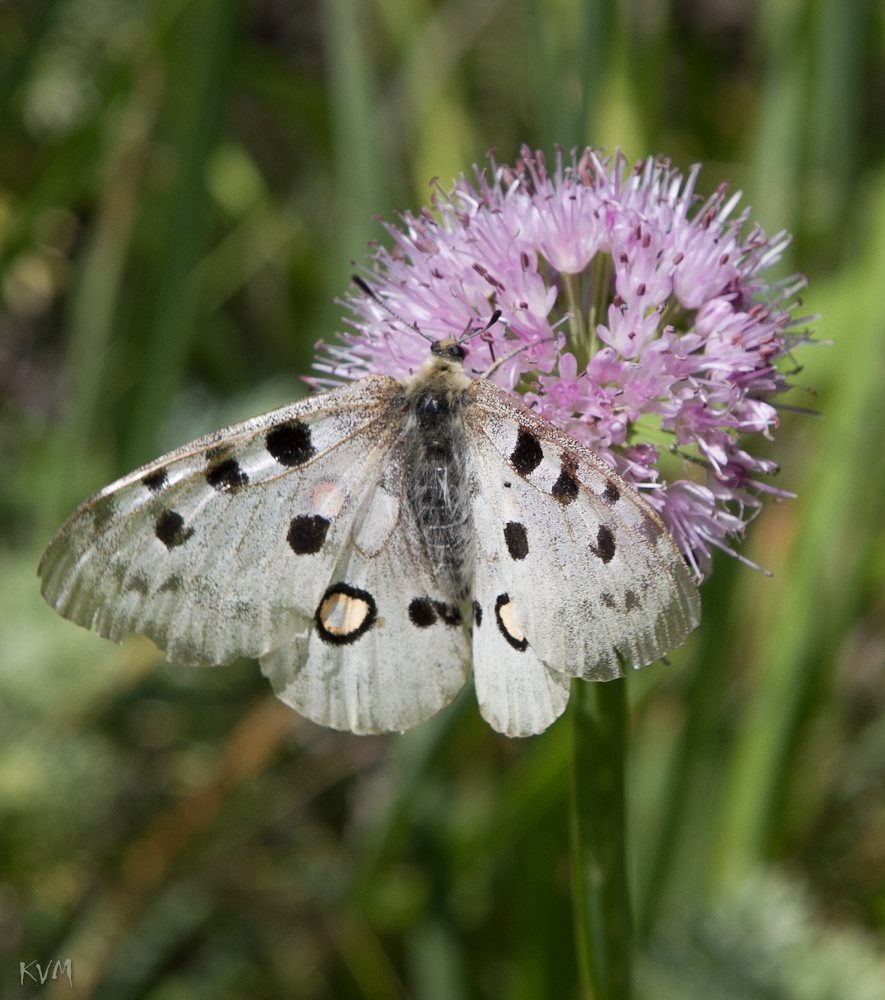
{"points": [[438, 473]]}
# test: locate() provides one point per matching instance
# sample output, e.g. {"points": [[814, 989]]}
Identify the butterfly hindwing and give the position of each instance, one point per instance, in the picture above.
{"points": [[518, 694], [591, 573], [224, 547], [385, 649]]}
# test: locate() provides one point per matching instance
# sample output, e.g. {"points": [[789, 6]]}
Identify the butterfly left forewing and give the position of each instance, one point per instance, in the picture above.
{"points": [[592, 575], [223, 547]]}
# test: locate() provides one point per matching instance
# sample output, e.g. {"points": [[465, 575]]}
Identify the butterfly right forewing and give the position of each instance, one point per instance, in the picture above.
{"points": [[223, 548], [594, 578]]}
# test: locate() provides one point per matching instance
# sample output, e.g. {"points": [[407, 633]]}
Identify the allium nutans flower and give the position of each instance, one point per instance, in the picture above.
{"points": [[648, 327]]}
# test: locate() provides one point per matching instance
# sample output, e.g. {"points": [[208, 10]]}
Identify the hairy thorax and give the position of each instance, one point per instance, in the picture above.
{"points": [[438, 473]]}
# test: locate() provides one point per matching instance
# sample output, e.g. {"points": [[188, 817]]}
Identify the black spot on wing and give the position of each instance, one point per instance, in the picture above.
{"points": [[226, 476], [421, 612], [449, 613], [307, 533], [290, 443], [501, 603], [527, 455], [169, 528], [344, 614], [605, 544], [609, 601], [611, 494], [631, 601], [218, 452], [565, 489], [517, 540], [477, 613], [156, 481]]}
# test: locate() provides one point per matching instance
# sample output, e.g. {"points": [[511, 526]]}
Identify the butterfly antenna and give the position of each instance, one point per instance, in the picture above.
{"points": [[367, 289], [483, 334], [469, 334]]}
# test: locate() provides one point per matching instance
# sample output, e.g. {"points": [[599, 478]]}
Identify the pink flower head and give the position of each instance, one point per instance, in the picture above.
{"points": [[648, 331]]}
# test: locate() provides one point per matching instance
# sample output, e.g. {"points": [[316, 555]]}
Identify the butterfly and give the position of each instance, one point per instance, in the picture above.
{"points": [[369, 543]]}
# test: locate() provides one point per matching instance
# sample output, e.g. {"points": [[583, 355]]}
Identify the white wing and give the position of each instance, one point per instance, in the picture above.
{"points": [[225, 547], [517, 693], [587, 568], [385, 650]]}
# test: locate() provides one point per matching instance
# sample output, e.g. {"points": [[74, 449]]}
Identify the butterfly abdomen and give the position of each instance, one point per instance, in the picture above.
{"points": [[438, 476]]}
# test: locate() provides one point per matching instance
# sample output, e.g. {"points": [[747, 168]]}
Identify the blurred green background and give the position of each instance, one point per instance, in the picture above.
{"points": [[183, 185]]}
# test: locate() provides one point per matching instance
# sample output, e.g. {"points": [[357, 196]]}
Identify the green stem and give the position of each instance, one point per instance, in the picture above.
{"points": [[603, 924], [696, 767], [600, 281], [572, 283]]}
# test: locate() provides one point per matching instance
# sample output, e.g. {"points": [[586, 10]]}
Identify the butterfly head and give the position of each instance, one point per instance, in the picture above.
{"points": [[442, 374], [450, 349]]}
